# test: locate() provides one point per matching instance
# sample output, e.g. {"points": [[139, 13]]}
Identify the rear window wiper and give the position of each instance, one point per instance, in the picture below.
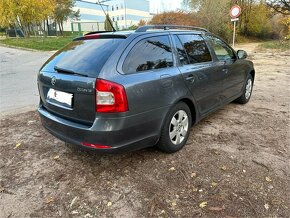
{"points": [[65, 71]]}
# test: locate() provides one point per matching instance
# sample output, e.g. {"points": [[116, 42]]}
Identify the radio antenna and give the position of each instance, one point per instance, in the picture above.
{"points": [[114, 30]]}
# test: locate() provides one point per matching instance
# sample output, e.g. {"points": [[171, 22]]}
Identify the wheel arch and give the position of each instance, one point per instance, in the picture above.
{"points": [[192, 108], [164, 142], [252, 73]]}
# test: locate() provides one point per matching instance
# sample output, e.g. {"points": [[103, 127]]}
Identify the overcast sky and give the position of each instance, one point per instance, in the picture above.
{"points": [[164, 5]]}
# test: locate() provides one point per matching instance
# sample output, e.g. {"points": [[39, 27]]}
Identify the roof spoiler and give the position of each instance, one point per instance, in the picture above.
{"points": [[99, 35]]}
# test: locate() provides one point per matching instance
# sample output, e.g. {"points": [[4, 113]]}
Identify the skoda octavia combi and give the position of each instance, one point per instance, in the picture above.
{"points": [[114, 91]]}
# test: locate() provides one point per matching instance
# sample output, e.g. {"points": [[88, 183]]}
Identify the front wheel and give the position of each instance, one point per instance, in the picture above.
{"points": [[176, 129], [247, 93]]}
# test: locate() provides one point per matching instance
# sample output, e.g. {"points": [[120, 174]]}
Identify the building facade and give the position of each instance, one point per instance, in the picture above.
{"points": [[128, 12], [123, 13]]}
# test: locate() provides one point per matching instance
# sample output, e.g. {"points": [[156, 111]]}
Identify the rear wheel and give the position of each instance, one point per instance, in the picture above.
{"points": [[176, 129], [245, 97]]}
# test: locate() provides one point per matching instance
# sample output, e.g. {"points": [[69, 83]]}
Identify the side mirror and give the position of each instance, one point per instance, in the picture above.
{"points": [[242, 54]]}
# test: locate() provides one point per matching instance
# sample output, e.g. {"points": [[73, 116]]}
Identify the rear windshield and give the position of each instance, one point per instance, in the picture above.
{"points": [[86, 57]]}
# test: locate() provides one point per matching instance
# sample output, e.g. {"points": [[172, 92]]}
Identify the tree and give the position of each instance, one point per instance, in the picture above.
{"points": [[244, 19], [174, 18], [280, 6], [259, 26], [31, 13], [142, 23], [25, 14], [214, 15], [280, 26], [108, 23], [7, 13], [63, 11], [255, 19], [191, 4]]}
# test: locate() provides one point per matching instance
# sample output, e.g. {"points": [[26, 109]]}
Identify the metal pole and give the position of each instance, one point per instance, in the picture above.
{"points": [[125, 6], [234, 34], [72, 27]]}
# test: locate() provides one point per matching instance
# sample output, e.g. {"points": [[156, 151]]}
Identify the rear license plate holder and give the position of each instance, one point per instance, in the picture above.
{"points": [[60, 98]]}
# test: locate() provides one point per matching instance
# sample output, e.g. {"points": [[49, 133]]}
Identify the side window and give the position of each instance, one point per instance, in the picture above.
{"points": [[149, 54], [222, 51], [195, 48], [182, 56]]}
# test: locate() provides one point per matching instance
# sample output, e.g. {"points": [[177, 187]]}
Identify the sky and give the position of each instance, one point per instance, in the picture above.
{"points": [[164, 5]]}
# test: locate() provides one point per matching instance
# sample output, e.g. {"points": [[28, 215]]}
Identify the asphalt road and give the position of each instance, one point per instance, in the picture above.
{"points": [[18, 74]]}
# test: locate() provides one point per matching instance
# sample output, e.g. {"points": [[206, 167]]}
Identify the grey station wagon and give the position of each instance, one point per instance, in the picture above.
{"points": [[114, 91]]}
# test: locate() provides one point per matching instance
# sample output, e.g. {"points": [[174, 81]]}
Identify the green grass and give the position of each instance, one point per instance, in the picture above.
{"points": [[38, 43], [276, 44]]}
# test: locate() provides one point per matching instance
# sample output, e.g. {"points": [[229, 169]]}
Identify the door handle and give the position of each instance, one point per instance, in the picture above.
{"points": [[190, 78]]}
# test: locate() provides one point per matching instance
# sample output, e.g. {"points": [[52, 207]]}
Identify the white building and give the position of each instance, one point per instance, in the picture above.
{"points": [[124, 13], [128, 12]]}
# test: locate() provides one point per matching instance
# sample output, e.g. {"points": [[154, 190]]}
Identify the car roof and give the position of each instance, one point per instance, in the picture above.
{"points": [[144, 30]]}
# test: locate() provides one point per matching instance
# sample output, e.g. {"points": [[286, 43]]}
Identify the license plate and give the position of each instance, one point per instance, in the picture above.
{"points": [[55, 96]]}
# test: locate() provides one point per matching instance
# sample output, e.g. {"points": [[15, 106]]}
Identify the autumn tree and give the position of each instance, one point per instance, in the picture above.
{"points": [[244, 18], [213, 15], [174, 18], [281, 26], [135, 26], [255, 19], [7, 13], [280, 6], [142, 23], [32, 12], [259, 26], [63, 11], [25, 14], [108, 24]]}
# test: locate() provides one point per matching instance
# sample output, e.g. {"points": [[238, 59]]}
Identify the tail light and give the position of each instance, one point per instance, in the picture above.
{"points": [[110, 97], [93, 36]]}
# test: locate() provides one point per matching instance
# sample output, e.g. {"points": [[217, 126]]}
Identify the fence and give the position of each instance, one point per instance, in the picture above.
{"points": [[82, 27]]}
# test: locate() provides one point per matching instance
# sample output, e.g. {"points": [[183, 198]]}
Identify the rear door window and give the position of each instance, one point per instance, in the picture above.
{"points": [[182, 56], [149, 54], [195, 48], [86, 57]]}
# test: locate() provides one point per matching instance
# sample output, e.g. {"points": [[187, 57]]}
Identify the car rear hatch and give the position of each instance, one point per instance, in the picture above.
{"points": [[67, 80]]}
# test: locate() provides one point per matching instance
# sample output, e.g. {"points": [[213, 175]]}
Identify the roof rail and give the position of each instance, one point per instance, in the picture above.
{"points": [[169, 27]]}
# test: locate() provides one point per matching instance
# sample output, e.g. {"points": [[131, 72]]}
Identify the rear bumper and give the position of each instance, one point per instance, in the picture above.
{"points": [[122, 133]]}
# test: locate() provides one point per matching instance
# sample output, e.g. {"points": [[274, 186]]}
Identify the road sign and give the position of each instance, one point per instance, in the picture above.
{"points": [[235, 11]]}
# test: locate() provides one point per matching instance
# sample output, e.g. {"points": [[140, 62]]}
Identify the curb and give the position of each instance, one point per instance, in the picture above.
{"points": [[25, 49]]}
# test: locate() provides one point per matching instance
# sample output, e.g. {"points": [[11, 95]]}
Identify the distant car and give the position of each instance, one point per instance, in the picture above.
{"points": [[115, 91]]}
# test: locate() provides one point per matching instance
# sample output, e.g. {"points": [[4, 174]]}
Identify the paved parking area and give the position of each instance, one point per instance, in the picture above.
{"points": [[18, 75]]}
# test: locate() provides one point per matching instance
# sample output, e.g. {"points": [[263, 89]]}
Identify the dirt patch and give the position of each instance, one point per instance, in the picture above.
{"points": [[236, 160]]}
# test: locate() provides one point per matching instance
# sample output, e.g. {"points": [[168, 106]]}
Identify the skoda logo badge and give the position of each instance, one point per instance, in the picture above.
{"points": [[53, 81]]}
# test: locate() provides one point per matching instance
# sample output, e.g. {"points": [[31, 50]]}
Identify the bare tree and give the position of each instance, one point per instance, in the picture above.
{"points": [[280, 6]]}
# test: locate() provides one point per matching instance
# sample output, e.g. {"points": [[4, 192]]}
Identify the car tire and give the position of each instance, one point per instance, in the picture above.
{"points": [[176, 129], [247, 91]]}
